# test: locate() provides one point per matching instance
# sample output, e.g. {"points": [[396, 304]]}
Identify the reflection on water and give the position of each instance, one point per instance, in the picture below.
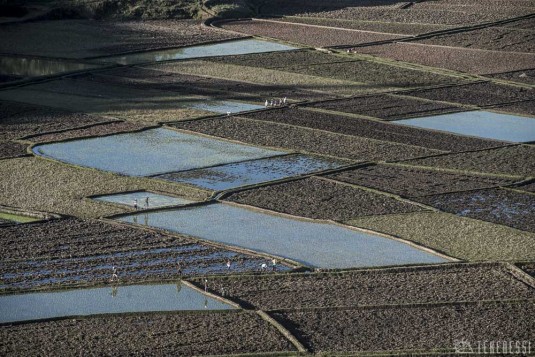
{"points": [[316, 244], [150, 152], [115, 299], [481, 124], [239, 47], [144, 200], [252, 172], [31, 67]]}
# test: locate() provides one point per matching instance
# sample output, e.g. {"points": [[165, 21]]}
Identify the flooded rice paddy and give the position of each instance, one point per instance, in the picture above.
{"points": [[33, 67], [239, 47], [113, 299], [150, 152], [245, 173], [314, 244], [223, 106], [144, 199], [482, 124]]}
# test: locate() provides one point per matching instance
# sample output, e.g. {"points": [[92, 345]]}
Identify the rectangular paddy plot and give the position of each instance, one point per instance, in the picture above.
{"points": [[217, 49], [123, 100], [306, 35], [316, 244], [19, 120], [150, 152], [518, 160], [412, 327], [454, 58], [409, 181], [391, 286], [480, 124], [228, 332], [252, 172], [319, 198], [73, 252], [144, 199], [460, 237], [374, 75], [304, 139], [200, 85], [388, 132], [112, 300], [387, 107], [500, 206], [480, 94]]}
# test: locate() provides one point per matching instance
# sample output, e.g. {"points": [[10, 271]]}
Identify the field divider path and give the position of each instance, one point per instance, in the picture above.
{"points": [[520, 275], [209, 294], [285, 332], [402, 163]]}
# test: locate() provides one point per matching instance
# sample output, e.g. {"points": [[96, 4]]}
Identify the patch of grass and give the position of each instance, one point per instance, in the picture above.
{"points": [[17, 218], [44, 185], [463, 238]]}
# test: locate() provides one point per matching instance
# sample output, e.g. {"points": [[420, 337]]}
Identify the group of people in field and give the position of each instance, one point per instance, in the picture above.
{"points": [[275, 102], [136, 205]]}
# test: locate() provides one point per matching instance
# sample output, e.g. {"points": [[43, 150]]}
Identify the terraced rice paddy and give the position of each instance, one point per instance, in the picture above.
{"points": [[481, 124], [357, 178], [310, 243], [117, 299], [150, 152], [246, 173], [218, 49]]}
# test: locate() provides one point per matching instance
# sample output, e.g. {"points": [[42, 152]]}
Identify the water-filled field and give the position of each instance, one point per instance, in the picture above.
{"points": [[229, 48], [113, 299], [150, 152], [316, 244], [480, 123], [252, 172]]}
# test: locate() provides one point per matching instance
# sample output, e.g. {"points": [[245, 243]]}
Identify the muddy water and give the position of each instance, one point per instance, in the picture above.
{"points": [[118, 299], [315, 244], [482, 124], [32, 67], [154, 200], [252, 172], [229, 48], [150, 152]]}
